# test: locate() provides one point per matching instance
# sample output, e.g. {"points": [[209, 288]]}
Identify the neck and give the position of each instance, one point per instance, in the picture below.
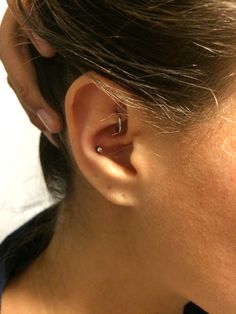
{"points": [[101, 263]]}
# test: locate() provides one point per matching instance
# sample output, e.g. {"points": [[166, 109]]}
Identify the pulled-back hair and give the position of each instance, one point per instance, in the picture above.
{"points": [[173, 57]]}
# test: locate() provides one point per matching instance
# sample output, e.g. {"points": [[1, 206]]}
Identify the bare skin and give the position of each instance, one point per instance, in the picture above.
{"points": [[151, 224]]}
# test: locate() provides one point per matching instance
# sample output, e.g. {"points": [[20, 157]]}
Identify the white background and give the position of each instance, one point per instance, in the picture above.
{"points": [[22, 189]]}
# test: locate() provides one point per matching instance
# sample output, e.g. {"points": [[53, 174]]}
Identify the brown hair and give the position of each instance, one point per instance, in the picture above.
{"points": [[173, 57]]}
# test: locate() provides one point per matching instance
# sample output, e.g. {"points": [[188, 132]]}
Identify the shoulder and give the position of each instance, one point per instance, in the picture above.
{"points": [[26, 243], [192, 308], [21, 247]]}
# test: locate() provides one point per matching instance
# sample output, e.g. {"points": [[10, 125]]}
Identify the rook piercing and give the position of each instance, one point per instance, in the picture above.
{"points": [[119, 126], [99, 149]]}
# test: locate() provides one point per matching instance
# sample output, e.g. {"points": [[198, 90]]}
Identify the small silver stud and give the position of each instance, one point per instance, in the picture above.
{"points": [[99, 149]]}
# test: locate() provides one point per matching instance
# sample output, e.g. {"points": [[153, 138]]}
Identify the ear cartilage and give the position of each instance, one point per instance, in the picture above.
{"points": [[119, 129]]}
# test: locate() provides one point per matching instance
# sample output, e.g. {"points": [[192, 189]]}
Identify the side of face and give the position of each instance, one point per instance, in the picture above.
{"points": [[189, 196], [181, 187]]}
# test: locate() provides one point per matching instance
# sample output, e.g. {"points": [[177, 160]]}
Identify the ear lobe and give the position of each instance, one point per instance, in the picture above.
{"points": [[95, 120]]}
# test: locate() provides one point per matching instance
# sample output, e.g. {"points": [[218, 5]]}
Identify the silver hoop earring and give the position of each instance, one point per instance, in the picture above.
{"points": [[119, 129]]}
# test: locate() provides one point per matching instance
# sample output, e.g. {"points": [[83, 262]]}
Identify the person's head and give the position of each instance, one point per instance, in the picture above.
{"points": [[168, 67]]}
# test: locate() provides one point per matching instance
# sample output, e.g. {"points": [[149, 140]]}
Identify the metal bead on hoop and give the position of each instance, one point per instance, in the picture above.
{"points": [[99, 149]]}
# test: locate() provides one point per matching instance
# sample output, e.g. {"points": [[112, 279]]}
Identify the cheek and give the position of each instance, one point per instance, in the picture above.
{"points": [[191, 210], [229, 162], [210, 181], [209, 221]]}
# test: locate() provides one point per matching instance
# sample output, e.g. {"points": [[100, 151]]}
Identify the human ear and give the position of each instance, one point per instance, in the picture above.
{"points": [[94, 119]]}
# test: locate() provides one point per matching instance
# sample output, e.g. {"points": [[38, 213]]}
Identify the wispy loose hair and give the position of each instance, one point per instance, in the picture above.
{"points": [[172, 58]]}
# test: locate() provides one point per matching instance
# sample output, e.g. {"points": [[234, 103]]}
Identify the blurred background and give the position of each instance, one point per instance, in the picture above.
{"points": [[22, 189]]}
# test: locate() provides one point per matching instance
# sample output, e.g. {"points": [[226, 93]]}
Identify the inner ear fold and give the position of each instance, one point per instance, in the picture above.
{"points": [[112, 141]]}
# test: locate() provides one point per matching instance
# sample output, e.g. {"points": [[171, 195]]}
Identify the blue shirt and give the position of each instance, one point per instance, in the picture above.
{"points": [[21, 247]]}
